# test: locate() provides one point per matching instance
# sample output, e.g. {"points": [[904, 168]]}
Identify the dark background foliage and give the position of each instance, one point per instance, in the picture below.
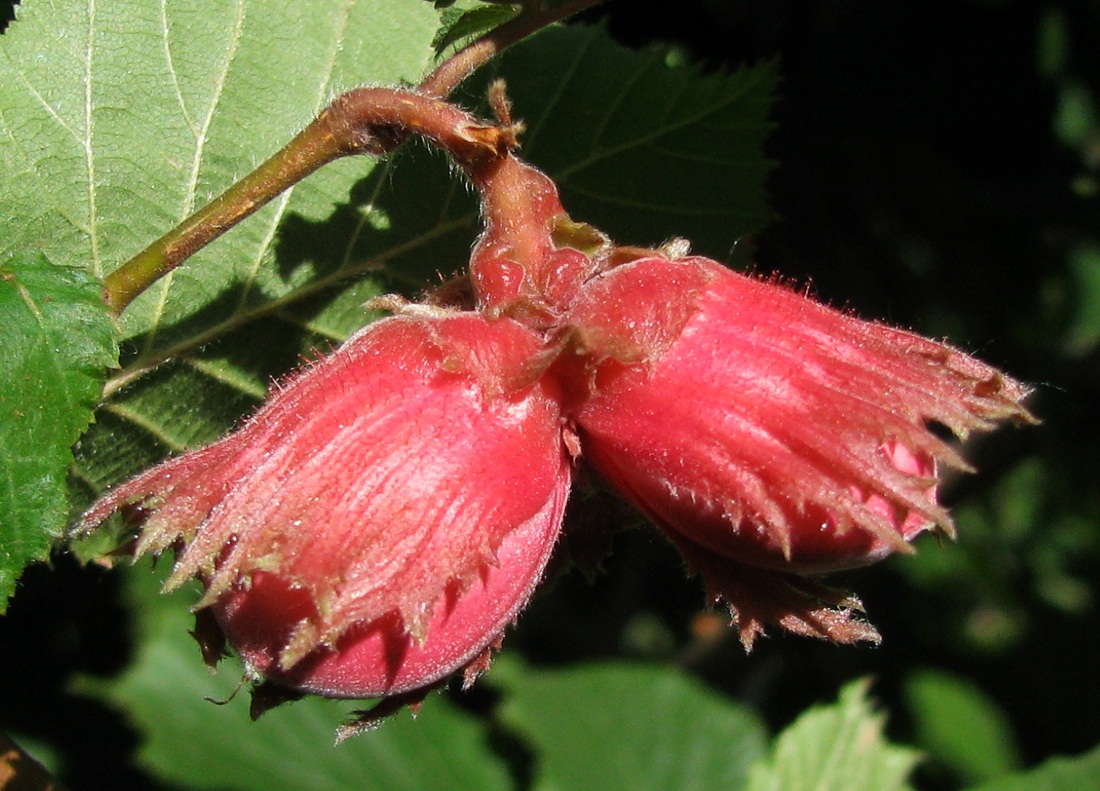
{"points": [[7, 13], [922, 177]]}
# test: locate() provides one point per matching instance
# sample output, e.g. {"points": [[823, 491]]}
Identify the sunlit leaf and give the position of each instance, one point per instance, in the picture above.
{"points": [[836, 748], [58, 340]]}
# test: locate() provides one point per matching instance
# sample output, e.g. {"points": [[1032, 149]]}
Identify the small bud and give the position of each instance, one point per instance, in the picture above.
{"points": [[763, 427], [380, 521]]}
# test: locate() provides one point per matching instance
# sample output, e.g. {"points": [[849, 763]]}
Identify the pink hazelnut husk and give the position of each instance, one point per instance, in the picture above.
{"points": [[377, 524], [763, 426]]}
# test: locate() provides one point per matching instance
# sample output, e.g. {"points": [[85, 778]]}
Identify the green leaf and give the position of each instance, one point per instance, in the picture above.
{"points": [[837, 747], [58, 340], [191, 741], [1081, 773], [960, 726], [631, 728]]}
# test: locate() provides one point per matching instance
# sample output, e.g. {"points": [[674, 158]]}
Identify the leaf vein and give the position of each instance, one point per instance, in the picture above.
{"points": [[170, 63], [89, 154], [613, 106], [201, 136], [551, 101], [204, 128], [147, 424]]}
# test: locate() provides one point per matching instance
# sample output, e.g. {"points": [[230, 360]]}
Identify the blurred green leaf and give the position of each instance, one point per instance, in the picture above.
{"points": [[1076, 121], [1029, 538], [58, 341], [630, 728], [1053, 43], [1020, 500], [836, 748], [189, 740], [960, 726], [1081, 773], [1083, 334]]}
